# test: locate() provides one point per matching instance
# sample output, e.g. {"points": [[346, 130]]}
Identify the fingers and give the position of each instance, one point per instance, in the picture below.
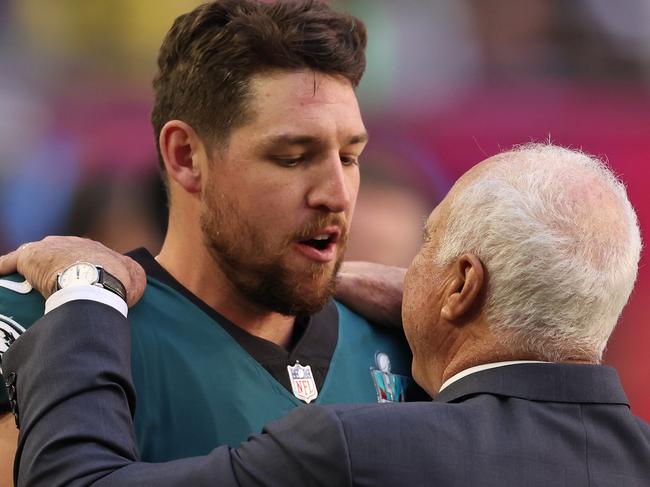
{"points": [[9, 263], [36, 274], [40, 263]]}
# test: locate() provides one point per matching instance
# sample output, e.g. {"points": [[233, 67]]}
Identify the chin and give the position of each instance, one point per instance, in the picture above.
{"points": [[315, 276], [296, 292], [311, 298]]}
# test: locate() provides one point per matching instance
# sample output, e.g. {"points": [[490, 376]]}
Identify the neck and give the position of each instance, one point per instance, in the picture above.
{"points": [[479, 354], [478, 348], [185, 257], [460, 347]]}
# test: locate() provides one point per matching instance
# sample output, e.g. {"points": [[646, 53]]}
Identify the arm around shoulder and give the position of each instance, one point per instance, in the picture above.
{"points": [[75, 406]]}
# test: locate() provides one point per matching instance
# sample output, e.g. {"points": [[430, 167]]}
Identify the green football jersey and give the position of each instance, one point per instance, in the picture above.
{"points": [[201, 381]]}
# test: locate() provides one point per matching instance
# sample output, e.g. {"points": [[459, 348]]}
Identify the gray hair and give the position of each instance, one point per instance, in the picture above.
{"points": [[560, 242]]}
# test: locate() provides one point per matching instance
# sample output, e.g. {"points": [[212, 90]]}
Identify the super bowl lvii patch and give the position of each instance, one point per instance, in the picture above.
{"points": [[302, 382], [9, 331], [389, 387]]}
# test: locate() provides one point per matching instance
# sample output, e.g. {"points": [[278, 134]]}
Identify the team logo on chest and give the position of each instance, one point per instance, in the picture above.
{"points": [[302, 382], [9, 331]]}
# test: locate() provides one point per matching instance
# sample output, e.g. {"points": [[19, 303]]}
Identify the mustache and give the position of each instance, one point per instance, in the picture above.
{"points": [[324, 221]]}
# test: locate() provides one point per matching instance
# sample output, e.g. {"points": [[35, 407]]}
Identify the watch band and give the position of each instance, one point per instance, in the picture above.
{"points": [[110, 282]]}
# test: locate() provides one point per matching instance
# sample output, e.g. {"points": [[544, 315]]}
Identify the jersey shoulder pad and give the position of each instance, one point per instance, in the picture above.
{"points": [[20, 307], [19, 303]]}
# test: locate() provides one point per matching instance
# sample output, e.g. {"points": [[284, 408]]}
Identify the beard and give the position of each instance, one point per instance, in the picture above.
{"points": [[258, 272]]}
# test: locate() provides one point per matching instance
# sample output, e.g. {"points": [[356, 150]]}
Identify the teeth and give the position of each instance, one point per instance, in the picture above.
{"points": [[321, 237]]}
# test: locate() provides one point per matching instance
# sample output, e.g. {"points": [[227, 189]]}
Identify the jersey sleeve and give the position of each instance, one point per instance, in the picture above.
{"points": [[20, 307]]}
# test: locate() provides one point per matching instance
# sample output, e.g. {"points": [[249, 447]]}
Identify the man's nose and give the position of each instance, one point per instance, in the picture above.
{"points": [[334, 186]]}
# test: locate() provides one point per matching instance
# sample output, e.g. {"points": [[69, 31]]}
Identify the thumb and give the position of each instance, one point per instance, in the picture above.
{"points": [[137, 282]]}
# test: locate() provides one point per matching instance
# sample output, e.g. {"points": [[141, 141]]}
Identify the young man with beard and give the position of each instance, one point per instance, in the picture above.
{"points": [[259, 135]]}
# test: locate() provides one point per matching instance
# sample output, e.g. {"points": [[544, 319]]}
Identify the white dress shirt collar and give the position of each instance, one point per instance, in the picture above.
{"points": [[478, 368]]}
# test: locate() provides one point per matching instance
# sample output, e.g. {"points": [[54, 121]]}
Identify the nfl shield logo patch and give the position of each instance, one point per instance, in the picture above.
{"points": [[302, 382]]}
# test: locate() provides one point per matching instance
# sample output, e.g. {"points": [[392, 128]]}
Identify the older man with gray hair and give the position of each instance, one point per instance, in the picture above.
{"points": [[558, 243], [525, 269]]}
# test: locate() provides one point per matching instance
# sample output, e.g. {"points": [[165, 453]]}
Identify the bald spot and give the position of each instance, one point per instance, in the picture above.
{"points": [[589, 213]]}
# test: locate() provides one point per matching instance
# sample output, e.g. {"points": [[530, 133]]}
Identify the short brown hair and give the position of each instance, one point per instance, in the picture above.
{"points": [[209, 55]]}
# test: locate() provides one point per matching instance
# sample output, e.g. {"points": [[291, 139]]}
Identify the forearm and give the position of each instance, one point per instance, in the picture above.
{"points": [[76, 399], [372, 290], [75, 406]]}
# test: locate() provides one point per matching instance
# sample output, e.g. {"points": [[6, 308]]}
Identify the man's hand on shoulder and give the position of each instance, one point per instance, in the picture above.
{"points": [[372, 290], [40, 263]]}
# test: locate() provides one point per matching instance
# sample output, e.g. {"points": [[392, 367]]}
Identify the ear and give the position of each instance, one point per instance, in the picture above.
{"points": [[467, 281], [182, 151]]}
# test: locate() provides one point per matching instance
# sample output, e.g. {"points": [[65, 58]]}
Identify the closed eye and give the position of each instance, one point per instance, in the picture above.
{"points": [[290, 161]]}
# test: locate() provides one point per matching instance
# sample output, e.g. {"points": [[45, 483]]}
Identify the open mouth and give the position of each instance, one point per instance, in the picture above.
{"points": [[321, 245], [320, 242]]}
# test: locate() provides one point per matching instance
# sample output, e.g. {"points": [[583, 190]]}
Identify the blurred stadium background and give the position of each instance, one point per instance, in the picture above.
{"points": [[449, 83]]}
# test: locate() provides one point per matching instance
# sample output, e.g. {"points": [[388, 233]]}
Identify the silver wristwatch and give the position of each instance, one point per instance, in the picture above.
{"points": [[85, 273]]}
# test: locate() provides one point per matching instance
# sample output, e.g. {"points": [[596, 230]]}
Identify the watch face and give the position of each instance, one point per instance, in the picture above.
{"points": [[77, 274]]}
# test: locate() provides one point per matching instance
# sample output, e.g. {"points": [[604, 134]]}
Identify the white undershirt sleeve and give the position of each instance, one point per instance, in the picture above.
{"points": [[87, 292]]}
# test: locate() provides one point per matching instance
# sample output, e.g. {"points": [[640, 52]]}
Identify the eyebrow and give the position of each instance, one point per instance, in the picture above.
{"points": [[361, 138], [288, 139]]}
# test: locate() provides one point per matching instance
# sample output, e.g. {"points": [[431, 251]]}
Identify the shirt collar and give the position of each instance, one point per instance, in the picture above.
{"points": [[478, 368]]}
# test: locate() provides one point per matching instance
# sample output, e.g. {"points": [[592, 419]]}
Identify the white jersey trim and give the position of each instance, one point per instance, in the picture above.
{"points": [[17, 287]]}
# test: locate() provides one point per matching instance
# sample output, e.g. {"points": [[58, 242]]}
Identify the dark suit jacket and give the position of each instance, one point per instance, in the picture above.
{"points": [[520, 425]]}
